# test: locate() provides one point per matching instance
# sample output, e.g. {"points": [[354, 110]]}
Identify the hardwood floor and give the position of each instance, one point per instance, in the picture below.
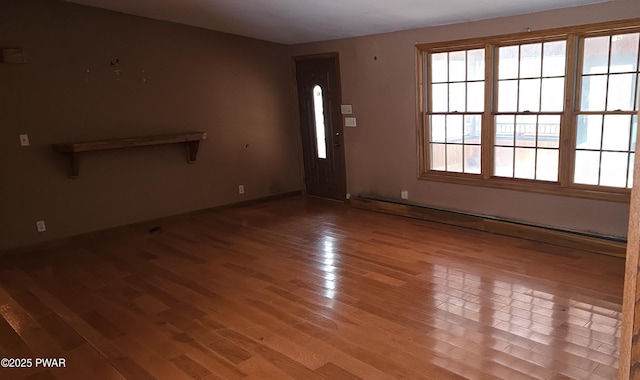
{"points": [[308, 289]]}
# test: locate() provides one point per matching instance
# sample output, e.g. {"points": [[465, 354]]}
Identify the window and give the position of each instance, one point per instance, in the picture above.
{"points": [[457, 94], [553, 112], [607, 119], [530, 105]]}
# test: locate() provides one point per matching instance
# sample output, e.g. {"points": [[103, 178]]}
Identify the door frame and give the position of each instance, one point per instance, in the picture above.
{"points": [[294, 61]]}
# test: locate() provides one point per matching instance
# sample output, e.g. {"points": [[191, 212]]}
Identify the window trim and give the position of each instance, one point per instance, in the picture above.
{"points": [[565, 185]]}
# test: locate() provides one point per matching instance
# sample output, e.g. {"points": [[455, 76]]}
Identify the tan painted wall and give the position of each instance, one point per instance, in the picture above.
{"points": [[381, 150], [236, 89]]}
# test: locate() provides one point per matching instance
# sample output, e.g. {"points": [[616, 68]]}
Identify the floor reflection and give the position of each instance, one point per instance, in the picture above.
{"points": [[329, 269], [541, 325]]}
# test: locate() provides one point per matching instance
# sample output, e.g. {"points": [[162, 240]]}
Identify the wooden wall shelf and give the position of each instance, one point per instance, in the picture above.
{"points": [[72, 150]]}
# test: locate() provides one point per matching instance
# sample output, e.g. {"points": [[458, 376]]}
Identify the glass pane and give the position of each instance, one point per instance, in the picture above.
{"points": [[438, 128], [615, 134], [454, 158], [508, 62], [508, 96], [440, 97], [630, 175], [594, 93], [587, 167], [454, 128], [503, 162], [547, 167], [613, 171], [624, 53], [475, 64], [553, 63], [529, 95], [505, 129], [526, 130], [589, 132], [472, 159], [596, 55], [457, 97], [530, 60], [318, 109], [552, 95], [622, 88], [634, 132], [525, 163], [438, 154], [457, 66], [475, 97], [549, 131], [439, 64], [472, 129]]}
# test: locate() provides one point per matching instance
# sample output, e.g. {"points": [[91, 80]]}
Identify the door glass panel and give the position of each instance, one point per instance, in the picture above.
{"points": [[318, 109]]}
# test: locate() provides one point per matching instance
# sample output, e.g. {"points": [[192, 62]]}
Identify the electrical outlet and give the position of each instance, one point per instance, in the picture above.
{"points": [[404, 194], [24, 140], [41, 226], [240, 189]]}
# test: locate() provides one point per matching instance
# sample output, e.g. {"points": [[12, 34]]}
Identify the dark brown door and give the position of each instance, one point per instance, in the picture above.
{"points": [[321, 127]]}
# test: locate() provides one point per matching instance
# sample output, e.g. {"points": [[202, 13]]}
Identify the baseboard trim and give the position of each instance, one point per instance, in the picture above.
{"points": [[137, 228], [601, 244]]}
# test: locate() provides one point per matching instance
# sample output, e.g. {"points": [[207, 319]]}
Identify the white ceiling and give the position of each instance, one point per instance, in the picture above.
{"points": [[297, 21]]}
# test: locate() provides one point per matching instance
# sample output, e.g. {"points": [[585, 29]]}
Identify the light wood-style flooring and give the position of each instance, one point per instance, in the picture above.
{"points": [[302, 288]]}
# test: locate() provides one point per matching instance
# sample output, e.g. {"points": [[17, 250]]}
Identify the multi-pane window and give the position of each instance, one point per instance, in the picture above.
{"points": [[556, 111], [607, 118], [530, 87], [456, 105]]}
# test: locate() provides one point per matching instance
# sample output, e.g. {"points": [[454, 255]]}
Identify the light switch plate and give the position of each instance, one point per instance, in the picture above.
{"points": [[346, 109], [349, 121], [24, 140]]}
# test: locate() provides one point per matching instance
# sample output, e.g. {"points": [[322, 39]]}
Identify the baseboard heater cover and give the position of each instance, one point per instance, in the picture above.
{"points": [[611, 245]]}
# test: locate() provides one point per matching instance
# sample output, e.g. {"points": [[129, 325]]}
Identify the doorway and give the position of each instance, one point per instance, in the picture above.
{"points": [[318, 85]]}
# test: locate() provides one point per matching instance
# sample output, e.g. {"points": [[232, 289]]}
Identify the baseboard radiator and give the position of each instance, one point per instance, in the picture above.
{"points": [[573, 239]]}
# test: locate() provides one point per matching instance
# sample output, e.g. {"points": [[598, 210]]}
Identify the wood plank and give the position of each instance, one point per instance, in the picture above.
{"points": [[630, 342], [303, 288], [131, 142], [72, 150]]}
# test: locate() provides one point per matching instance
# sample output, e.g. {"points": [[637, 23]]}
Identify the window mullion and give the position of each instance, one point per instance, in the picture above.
{"points": [[488, 124], [426, 103], [567, 131]]}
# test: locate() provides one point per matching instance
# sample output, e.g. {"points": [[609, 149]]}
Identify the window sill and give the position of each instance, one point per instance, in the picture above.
{"points": [[610, 194]]}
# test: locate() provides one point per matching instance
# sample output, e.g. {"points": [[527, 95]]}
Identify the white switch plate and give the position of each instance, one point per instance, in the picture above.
{"points": [[404, 194], [240, 189], [349, 121], [41, 226], [346, 109], [24, 140]]}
